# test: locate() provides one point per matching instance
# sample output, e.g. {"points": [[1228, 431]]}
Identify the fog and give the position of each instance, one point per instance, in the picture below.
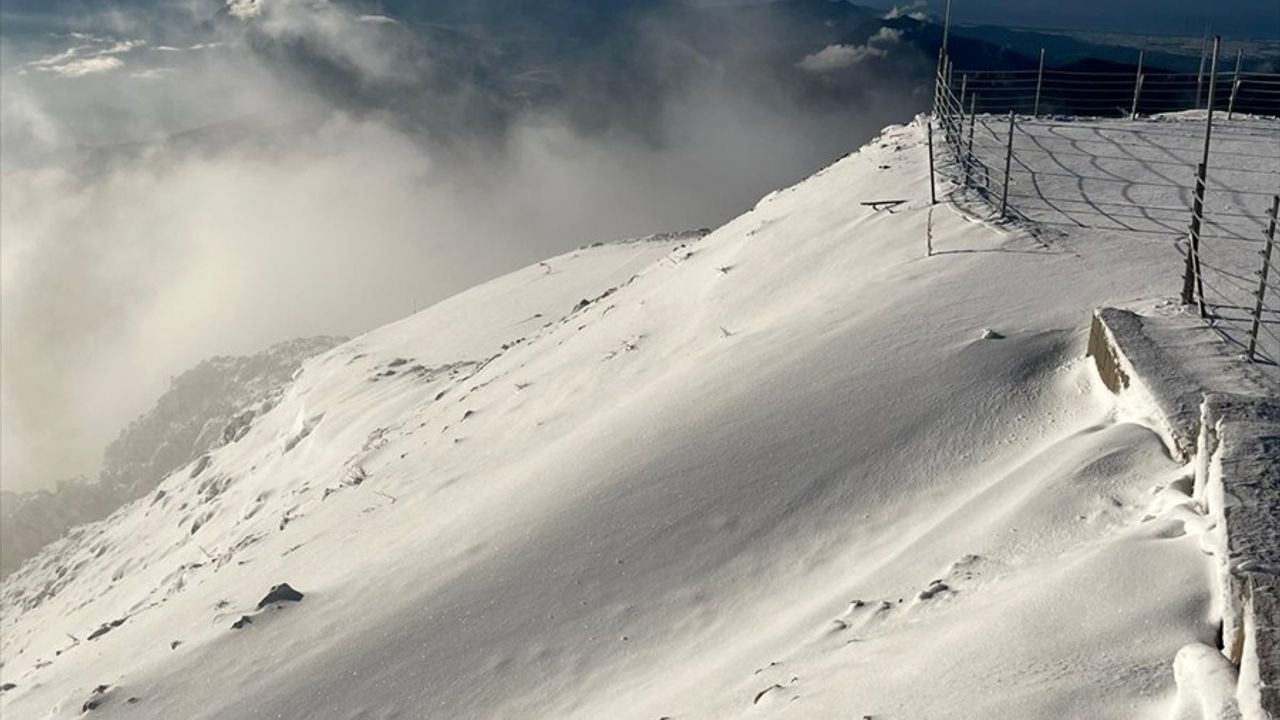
{"points": [[198, 182]]}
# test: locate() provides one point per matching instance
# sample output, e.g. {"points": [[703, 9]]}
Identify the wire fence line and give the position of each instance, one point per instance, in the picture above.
{"points": [[1067, 148]]}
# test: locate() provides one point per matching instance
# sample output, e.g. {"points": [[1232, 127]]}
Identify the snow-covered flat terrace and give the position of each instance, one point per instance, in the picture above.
{"points": [[1132, 181]]}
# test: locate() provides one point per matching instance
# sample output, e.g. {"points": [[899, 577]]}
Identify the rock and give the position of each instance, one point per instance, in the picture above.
{"points": [[989, 334], [7, 687], [106, 628], [935, 588], [280, 593], [96, 699], [239, 624]]}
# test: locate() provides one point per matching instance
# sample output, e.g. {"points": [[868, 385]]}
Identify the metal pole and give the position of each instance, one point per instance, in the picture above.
{"points": [[1137, 86], [968, 154], [933, 190], [947, 96], [946, 26], [1204, 45], [1192, 283], [1192, 273], [937, 83], [1208, 122], [1262, 278], [1008, 165], [1235, 84], [1035, 112]]}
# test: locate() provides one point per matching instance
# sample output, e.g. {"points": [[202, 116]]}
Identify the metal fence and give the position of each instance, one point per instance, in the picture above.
{"points": [[1064, 147]]}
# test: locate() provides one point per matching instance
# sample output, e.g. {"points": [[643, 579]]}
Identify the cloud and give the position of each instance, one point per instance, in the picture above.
{"points": [[152, 74], [86, 66], [841, 57], [915, 11], [244, 9], [886, 36], [91, 58]]}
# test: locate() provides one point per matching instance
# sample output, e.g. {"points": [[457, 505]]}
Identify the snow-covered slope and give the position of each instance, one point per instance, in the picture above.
{"points": [[795, 468], [203, 408]]}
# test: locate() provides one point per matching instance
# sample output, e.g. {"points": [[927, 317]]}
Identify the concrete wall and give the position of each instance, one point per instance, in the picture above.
{"points": [[1236, 453]]}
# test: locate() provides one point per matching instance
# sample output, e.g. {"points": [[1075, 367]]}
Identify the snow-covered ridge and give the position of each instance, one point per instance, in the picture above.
{"points": [[794, 468]]}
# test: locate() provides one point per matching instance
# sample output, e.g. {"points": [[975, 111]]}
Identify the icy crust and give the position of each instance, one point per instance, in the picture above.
{"points": [[799, 467]]}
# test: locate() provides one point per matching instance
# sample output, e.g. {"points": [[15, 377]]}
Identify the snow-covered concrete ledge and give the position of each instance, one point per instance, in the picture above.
{"points": [[1218, 413], [1238, 480]]}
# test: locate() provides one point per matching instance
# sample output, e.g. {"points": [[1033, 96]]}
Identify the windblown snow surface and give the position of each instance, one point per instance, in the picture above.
{"points": [[782, 471]]}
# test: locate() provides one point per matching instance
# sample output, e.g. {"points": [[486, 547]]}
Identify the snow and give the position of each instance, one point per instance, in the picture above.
{"points": [[795, 468], [1130, 182]]}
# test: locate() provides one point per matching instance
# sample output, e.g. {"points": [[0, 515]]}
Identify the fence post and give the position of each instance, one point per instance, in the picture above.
{"points": [[933, 190], [1137, 86], [1192, 283], [968, 153], [1262, 278], [1035, 112], [1008, 166], [946, 26], [1204, 46], [1235, 84], [937, 83], [1208, 123], [944, 94]]}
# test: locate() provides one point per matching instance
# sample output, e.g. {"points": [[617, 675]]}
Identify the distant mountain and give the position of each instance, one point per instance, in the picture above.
{"points": [[204, 408]]}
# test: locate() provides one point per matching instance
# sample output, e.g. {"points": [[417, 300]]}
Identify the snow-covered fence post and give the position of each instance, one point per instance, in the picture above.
{"points": [[933, 190], [1192, 283], [1137, 86], [1262, 278], [1235, 84], [1008, 166], [1035, 111]]}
